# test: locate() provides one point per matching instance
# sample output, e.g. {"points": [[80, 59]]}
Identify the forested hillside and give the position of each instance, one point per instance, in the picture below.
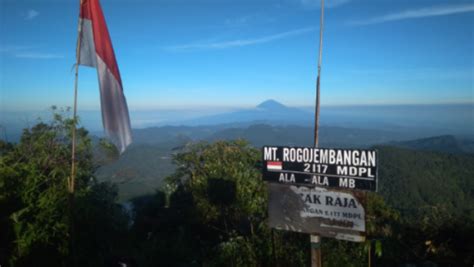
{"points": [[144, 165], [444, 143], [417, 181], [211, 208]]}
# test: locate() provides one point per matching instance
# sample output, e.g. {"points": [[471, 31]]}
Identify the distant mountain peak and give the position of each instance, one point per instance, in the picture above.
{"points": [[271, 105]]}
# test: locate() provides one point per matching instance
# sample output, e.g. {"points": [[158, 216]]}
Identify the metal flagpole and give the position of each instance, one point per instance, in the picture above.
{"points": [[318, 81], [316, 239]]}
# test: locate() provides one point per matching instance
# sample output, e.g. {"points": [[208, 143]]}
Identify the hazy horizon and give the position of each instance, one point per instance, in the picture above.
{"points": [[455, 119]]}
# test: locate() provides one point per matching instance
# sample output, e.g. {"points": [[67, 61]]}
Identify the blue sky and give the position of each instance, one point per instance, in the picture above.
{"points": [[203, 53]]}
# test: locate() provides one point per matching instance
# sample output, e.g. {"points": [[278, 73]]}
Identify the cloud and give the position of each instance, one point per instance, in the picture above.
{"points": [[240, 42], [14, 48], [31, 14], [418, 13], [35, 55], [27, 52]]}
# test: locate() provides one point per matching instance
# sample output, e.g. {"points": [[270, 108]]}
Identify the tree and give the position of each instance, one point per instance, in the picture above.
{"points": [[218, 193], [229, 202], [36, 219], [229, 197], [382, 223]]}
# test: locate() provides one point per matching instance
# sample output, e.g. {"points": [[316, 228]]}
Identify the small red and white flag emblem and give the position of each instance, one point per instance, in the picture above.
{"points": [[274, 165]]}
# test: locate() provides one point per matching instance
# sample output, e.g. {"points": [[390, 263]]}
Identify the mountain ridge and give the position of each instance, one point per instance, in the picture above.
{"points": [[441, 143], [149, 159]]}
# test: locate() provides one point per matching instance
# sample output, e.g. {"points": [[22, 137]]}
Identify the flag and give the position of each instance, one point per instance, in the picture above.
{"points": [[274, 165], [95, 50]]}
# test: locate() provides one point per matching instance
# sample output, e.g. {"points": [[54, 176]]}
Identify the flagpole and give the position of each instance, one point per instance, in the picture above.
{"points": [[72, 177], [71, 182], [316, 239], [73, 149]]}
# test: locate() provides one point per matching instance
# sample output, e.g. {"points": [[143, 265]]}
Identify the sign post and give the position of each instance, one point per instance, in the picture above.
{"points": [[301, 182], [315, 240]]}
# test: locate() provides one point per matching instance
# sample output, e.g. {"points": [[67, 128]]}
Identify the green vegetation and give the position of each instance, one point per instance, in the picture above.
{"points": [[211, 209], [216, 216], [35, 222], [417, 181], [434, 192], [147, 162]]}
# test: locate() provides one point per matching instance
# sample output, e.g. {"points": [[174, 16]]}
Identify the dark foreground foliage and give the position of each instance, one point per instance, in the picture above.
{"points": [[211, 211], [37, 228]]}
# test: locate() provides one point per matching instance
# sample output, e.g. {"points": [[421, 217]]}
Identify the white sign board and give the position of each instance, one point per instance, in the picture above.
{"points": [[336, 209], [317, 210]]}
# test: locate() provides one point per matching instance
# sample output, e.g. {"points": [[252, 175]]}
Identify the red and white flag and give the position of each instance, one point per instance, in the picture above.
{"points": [[96, 51], [274, 165]]}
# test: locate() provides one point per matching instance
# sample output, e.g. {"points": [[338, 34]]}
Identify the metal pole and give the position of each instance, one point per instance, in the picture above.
{"points": [[316, 239], [318, 81], [370, 253], [315, 251], [275, 262]]}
